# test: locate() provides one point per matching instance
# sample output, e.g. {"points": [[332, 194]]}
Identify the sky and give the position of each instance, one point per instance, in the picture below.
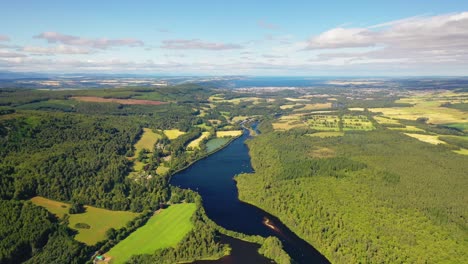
{"points": [[286, 38]]}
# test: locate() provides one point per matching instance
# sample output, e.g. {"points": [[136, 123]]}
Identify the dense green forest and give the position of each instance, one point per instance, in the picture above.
{"points": [[76, 152], [366, 197]]}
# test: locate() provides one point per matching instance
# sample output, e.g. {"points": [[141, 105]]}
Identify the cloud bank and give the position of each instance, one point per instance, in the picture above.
{"points": [[98, 43], [197, 44], [429, 39]]}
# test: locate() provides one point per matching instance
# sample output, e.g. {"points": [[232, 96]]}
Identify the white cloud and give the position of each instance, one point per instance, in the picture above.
{"points": [[4, 38], [422, 39], [99, 43], [10, 54], [197, 44], [60, 49]]}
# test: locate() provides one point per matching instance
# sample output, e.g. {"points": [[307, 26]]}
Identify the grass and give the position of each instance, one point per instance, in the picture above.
{"points": [[229, 133], [386, 121], [163, 230], [287, 106], [326, 134], [99, 220], [461, 126], [286, 125], [461, 151], [196, 143], [407, 128], [173, 133], [357, 122], [162, 170], [297, 99], [215, 143], [314, 107], [147, 141], [204, 126], [428, 104], [324, 122], [239, 118], [431, 139], [356, 109]]}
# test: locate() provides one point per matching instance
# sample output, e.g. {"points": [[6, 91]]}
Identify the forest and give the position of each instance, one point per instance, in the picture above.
{"points": [[366, 197]]}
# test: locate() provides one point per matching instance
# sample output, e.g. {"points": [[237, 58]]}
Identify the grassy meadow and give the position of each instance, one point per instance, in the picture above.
{"points": [[229, 133], [173, 133], [147, 141], [99, 220], [196, 143], [215, 143], [165, 229]]}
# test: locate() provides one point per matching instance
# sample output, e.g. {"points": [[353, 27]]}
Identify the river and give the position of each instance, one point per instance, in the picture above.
{"points": [[212, 178]]}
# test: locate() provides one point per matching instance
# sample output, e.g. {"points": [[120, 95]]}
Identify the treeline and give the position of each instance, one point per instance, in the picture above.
{"points": [[31, 232], [201, 243], [399, 200], [74, 158]]}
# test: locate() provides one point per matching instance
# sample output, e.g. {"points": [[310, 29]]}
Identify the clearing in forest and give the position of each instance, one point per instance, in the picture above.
{"points": [[99, 220], [163, 230], [317, 106], [196, 143], [147, 141], [173, 133], [431, 139]]}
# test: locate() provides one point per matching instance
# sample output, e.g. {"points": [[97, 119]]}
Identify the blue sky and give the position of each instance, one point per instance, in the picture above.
{"points": [[239, 37]]}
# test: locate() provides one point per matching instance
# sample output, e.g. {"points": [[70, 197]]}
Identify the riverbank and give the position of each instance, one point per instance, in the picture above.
{"points": [[212, 178]]}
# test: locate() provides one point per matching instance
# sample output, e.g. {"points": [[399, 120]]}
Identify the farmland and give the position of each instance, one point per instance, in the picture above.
{"points": [[99, 220], [196, 143], [229, 133], [173, 133], [215, 143], [164, 229], [146, 141]]}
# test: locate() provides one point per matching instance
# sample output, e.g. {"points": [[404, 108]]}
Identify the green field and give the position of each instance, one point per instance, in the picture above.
{"points": [[173, 133], [461, 126], [147, 141], [215, 143], [196, 142], [163, 230], [324, 122], [99, 220], [356, 122]]}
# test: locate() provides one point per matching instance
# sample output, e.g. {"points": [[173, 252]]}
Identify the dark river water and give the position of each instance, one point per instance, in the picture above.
{"points": [[212, 178]]}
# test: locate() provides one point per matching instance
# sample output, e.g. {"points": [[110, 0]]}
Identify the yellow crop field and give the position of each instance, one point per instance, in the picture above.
{"points": [[147, 141], [196, 143], [173, 133], [315, 107], [431, 139], [229, 133]]}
